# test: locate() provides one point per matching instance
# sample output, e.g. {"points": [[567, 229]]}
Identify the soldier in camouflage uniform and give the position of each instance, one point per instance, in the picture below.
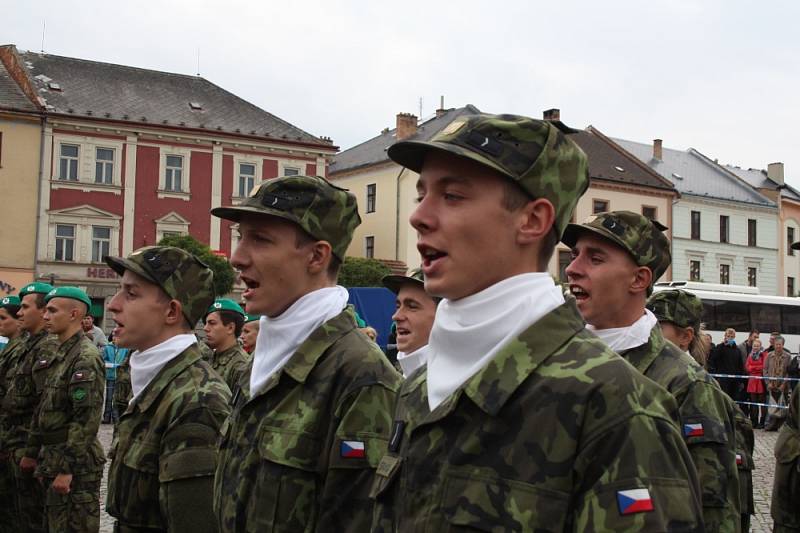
{"points": [[680, 314], [521, 420], [22, 399], [223, 325], [785, 509], [164, 456], [9, 355], [617, 257], [310, 421], [63, 437]]}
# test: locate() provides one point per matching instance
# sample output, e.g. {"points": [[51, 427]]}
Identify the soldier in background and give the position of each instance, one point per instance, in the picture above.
{"points": [[785, 508], [310, 420], [23, 398], [679, 314], [223, 325], [69, 456], [164, 456], [521, 420], [250, 332], [617, 257], [10, 328]]}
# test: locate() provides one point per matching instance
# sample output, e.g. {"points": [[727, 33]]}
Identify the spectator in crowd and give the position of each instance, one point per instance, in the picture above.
{"points": [[250, 332], [94, 333], [755, 385], [776, 366], [747, 346], [113, 356], [725, 359], [772, 337]]}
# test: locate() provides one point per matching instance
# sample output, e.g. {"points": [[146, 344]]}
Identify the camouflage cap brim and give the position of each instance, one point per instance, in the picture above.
{"points": [[574, 231], [394, 282], [235, 213], [411, 154], [120, 265], [795, 245]]}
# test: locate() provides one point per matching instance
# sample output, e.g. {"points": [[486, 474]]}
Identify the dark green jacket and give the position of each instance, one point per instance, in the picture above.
{"points": [[300, 455], [707, 420], [66, 422], [785, 508], [549, 436], [165, 452], [232, 364]]}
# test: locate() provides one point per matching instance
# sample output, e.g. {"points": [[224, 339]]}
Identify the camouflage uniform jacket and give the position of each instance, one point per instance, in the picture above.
{"points": [[707, 420], [9, 358], [24, 394], [66, 422], [165, 453], [232, 364], [549, 436], [300, 455], [785, 509], [745, 442], [123, 392]]}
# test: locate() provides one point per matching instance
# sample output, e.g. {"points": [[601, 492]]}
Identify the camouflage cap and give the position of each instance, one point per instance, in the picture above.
{"points": [[638, 235], [37, 287], [73, 293], [393, 282], [224, 304], [323, 210], [534, 154], [180, 274], [679, 307], [10, 301]]}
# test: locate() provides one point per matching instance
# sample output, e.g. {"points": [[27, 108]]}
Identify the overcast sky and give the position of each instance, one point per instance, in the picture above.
{"points": [[718, 76]]}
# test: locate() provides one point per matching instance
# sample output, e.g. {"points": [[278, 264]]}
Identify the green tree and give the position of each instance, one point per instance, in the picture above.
{"points": [[224, 275], [362, 272]]}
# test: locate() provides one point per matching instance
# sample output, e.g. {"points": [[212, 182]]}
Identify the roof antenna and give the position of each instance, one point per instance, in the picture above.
{"points": [[44, 25], [198, 61]]}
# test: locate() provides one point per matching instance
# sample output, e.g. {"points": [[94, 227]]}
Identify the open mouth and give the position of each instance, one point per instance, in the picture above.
{"points": [[251, 286], [578, 292], [402, 332], [430, 256]]}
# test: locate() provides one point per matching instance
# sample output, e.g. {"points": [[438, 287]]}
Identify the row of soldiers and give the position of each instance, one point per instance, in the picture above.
{"points": [[520, 417]]}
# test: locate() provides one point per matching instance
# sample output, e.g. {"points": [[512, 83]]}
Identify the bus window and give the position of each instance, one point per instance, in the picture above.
{"points": [[765, 317], [709, 318], [791, 320], [732, 315]]}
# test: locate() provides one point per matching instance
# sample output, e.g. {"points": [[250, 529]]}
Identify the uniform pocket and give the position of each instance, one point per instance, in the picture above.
{"points": [[482, 502], [133, 495]]}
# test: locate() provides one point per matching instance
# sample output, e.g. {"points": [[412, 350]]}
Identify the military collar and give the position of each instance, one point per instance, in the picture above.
{"points": [[305, 357], [165, 376], [225, 355], [643, 356], [71, 342]]}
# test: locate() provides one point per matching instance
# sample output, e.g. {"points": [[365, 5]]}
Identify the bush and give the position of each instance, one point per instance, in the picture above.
{"points": [[224, 275], [362, 272]]}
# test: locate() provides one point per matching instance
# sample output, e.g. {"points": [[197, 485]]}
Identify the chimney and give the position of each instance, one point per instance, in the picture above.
{"points": [[775, 172], [552, 114], [441, 111], [406, 125], [658, 150]]}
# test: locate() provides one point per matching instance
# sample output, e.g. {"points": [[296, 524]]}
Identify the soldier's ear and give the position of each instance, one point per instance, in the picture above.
{"points": [[642, 279], [174, 313], [320, 256], [534, 220]]}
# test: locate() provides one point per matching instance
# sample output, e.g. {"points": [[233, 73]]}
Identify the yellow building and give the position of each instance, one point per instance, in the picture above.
{"points": [[20, 153], [386, 191]]}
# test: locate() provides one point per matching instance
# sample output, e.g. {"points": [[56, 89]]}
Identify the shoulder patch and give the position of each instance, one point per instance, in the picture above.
{"points": [[78, 394]]}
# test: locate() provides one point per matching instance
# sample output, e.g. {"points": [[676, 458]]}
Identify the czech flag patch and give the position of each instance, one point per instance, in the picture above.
{"points": [[634, 501], [352, 449], [738, 459], [693, 430]]}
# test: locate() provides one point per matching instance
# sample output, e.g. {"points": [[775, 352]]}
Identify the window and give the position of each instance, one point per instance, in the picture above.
{"points": [[725, 274], [564, 259], [369, 246], [696, 225], [694, 270], [65, 242], [101, 243], [290, 171], [790, 286], [649, 211], [751, 232], [68, 163], [247, 178], [170, 234], [371, 198], [752, 279], [789, 241], [174, 172], [104, 166], [724, 226], [599, 206]]}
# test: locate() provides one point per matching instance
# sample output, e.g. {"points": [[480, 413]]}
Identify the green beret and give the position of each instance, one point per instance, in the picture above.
{"points": [[224, 304], [10, 301], [37, 287], [251, 318], [73, 293]]}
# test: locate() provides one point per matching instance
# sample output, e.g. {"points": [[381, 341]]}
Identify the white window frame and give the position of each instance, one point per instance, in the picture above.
{"points": [[293, 164], [87, 159], [83, 217], [186, 155], [173, 174], [172, 222], [66, 239], [101, 241], [107, 166], [69, 159], [258, 176]]}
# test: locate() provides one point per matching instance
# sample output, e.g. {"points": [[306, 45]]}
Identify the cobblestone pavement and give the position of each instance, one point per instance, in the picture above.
{"points": [[762, 481]]}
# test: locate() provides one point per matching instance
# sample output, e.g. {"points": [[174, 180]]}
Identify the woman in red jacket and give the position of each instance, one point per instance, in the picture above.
{"points": [[755, 385]]}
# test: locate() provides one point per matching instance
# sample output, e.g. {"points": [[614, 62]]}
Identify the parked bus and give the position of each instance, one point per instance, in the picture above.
{"points": [[743, 309]]}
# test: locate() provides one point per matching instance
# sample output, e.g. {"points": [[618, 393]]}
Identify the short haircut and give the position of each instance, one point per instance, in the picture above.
{"points": [[39, 300], [12, 310], [514, 198], [228, 317], [302, 238], [779, 338]]}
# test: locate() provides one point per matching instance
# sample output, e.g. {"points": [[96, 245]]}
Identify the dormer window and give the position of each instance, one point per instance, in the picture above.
{"points": [[196, 106]]}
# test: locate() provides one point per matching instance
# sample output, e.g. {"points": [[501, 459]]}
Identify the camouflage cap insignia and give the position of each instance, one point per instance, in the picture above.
{"points": [[634, 501], [352, 449], [78, 394]]}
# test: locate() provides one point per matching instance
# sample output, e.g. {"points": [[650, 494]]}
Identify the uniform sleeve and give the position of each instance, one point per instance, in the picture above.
{"points": [[786, 487], [637, 476], [360, 441], [708, 428]]}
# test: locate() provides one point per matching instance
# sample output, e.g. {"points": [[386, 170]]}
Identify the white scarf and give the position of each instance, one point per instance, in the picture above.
{"points": [[621, 339], [146, 365], [279, 337], [467, 333], [409, 362]]}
